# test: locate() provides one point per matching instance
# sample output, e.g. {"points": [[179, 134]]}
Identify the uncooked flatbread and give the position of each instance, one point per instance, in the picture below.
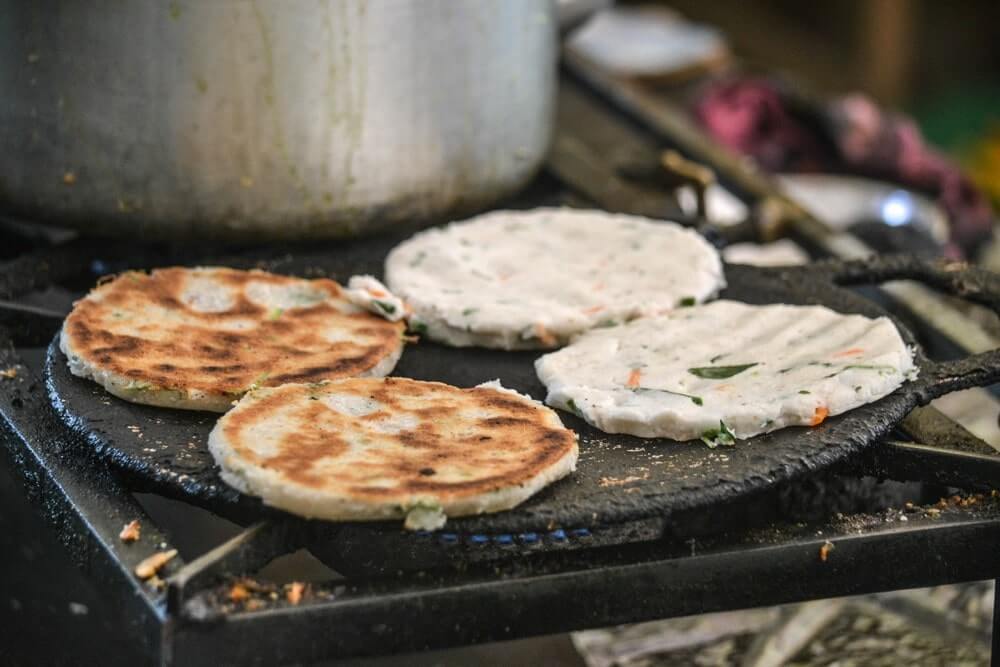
{"points": [[726, 370], [534, 279]]}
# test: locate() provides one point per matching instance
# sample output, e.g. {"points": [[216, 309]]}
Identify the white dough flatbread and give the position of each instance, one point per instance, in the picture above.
{"points": [[726, 370], [534, 279], [364, 448]]}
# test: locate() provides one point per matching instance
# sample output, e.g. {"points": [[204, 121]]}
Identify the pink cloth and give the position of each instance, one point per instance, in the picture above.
{"points": [[850, 134]]}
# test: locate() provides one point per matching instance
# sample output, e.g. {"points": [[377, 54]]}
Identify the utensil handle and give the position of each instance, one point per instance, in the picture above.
{"points": [[955, 278]]}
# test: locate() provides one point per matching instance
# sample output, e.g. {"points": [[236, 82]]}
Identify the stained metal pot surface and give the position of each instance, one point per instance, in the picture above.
{"points": [[266, 118]]}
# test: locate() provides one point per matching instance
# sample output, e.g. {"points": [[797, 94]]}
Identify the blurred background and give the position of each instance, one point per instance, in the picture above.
{"points": [[936, 61]]}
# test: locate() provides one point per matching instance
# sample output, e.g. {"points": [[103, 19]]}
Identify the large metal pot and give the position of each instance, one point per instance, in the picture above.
{"points": [[268, 118]]}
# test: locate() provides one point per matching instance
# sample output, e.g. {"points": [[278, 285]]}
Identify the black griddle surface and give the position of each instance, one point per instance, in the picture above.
{"points": [[619, 478]]}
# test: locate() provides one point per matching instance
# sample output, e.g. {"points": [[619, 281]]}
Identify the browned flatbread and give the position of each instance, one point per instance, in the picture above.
{"points": [[200, 338], [367, 448]]}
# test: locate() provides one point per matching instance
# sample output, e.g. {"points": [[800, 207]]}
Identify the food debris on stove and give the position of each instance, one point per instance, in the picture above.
{"points": [[238, 592], [295, 591], [130, 532], [151, 565], [9, 373], [824, 551]]}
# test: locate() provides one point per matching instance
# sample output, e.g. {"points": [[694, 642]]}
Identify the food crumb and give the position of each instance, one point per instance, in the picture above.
{"points": [[824, 551], [238, 593], [295, 591], [69, 178], [130, 533], [150, 566], [9, 373]]}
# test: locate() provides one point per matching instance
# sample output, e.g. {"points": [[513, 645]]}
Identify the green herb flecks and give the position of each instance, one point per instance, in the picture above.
{"points": [[258, 381], [418, 327], [571, 404], [697, 400], [138, 385], [418, 259], [825, 364], [386, 307], [275, 313], [719, 372], [804, 391], [604, 324], [687, 302], [469, 311], [869, 367], [719, 436], [716, 358]]}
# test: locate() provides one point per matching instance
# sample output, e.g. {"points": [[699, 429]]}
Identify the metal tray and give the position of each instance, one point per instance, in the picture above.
{"points": [[619, 478]]}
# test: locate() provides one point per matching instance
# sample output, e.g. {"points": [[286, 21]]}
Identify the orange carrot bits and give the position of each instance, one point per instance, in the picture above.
{"points": [[820, 415]]}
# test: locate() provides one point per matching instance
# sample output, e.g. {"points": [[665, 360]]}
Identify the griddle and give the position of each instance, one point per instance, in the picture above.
{"points": [[619, 478]]}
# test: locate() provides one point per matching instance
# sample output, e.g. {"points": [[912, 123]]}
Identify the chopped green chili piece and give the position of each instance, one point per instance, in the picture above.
{"points": [[386, 307], [697, 400], [719, 436], [719, 372], [869, 367], [687, 302]]}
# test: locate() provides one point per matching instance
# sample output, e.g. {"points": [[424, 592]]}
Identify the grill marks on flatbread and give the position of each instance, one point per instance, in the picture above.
{"points": [[198, 338], [367, 448]]}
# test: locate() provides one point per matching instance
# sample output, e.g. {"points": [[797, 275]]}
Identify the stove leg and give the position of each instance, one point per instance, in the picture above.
{"points": [[995, 652]]}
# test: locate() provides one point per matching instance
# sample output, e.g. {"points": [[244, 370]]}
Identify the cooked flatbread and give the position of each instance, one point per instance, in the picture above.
{"points": [[362, 449], [200, 338], [533, 279], [726, 370]]}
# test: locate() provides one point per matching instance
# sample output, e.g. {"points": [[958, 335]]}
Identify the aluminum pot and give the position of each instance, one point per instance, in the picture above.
{"points": [[266, 118]]}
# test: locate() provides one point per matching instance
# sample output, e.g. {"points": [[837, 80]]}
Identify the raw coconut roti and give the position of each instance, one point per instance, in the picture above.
{"points": [[533, 279], [200, 338], [364, 448], [726, 370]]}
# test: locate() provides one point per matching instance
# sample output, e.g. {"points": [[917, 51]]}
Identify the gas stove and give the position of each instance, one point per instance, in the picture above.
{"points": [[918, 509]]}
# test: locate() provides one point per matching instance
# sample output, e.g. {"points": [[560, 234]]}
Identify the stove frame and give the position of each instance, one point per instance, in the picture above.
{"points": [[554, 590]]}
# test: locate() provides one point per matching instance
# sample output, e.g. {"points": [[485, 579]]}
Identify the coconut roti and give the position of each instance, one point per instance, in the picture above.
{"points": [[534, 279], [726, 370], [200, 338], [367, 449]]}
